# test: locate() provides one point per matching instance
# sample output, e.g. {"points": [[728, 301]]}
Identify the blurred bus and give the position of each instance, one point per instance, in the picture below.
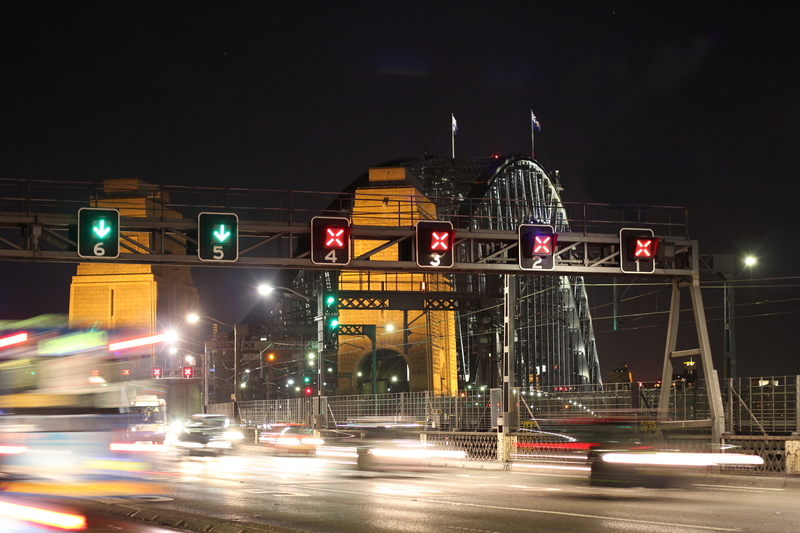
{"points": [[78, 424]]}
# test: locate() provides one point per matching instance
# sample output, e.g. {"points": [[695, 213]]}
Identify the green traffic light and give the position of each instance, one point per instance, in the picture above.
{"points": [[98, 232], [306, 379], [330, 300], [100, 229], [221, 234]]}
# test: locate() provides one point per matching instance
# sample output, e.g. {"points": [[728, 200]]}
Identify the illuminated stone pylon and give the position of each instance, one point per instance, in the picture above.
{"points": [[149, 298], [416, 348]]}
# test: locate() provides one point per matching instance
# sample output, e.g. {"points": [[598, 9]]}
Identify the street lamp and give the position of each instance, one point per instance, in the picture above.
{"points": [[730, 276], [193, 318], [266, 289]]}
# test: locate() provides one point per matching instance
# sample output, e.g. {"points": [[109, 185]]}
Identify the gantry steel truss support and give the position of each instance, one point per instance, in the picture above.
{"points": [[717, 416]]}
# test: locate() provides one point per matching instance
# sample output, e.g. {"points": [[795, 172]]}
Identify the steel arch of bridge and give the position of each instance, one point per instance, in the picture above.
{"points": [[555, 336]]}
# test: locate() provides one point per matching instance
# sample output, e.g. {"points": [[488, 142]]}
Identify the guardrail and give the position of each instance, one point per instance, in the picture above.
{"points": [[757, 405], [549, 418]]}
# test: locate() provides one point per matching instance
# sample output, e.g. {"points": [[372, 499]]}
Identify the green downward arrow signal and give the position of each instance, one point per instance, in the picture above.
{"points": [[221, 234], [101, 230]]}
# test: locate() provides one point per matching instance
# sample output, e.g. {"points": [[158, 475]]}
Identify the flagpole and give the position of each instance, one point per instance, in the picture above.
{"points": [[532, 156], [453, 133]]}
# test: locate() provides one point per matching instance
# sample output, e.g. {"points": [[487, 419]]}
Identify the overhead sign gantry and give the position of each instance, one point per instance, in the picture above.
{"points": [[431, 245], [221, 239]]}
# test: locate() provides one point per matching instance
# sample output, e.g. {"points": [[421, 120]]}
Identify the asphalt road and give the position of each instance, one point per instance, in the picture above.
{"points": [[312, 494]]}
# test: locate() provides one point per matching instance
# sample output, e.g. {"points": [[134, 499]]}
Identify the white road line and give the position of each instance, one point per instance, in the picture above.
{"points": [[558, 513], [735, 487]]}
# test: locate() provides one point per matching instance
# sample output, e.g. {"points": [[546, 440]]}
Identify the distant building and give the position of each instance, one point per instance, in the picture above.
{"points": [[689, 374], [620, 374]]}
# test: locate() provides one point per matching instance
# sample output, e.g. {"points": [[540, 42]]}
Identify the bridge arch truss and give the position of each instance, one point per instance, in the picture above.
{"points": [[555, 339]]}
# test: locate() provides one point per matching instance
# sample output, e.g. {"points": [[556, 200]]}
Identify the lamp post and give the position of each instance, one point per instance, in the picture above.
{"points": [[195, 318], [318, 408], [266, 289], [727, 269]]}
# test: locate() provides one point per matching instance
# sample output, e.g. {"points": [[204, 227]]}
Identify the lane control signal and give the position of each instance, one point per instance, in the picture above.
{"points": [[435, 243], [98, 232], [330, 241], [537, 247], [638, 248], [218, 237]]}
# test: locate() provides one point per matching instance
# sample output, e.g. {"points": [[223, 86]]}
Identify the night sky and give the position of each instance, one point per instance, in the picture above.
{"points": [[690, 104]]}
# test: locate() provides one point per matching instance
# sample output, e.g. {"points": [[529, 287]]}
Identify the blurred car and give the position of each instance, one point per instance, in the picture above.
{"points": [[207, 435], [388, 448], [643, 466], [289, 438]]}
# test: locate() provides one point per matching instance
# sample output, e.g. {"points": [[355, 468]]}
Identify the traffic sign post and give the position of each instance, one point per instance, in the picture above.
{"points": [[330, 241], [434, 243], [217, 237], [637, 247], [537, 247], [98, 232]]}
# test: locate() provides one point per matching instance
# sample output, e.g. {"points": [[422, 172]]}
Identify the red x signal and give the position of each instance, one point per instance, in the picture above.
{"points": [[334, 238], [440, 241], [188, 371], [543, 244], [644, 248]]}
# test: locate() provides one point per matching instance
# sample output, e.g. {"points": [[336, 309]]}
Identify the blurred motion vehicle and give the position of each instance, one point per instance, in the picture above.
{"points": [[148, 414], [624, 451], [26, 515], [207, 435], [650, 467], [388, 447], [289, 438], [67, 415]]}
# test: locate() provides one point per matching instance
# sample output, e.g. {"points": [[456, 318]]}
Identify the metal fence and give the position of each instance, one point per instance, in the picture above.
{"points": [[221, 409], [759, 405], [763, 405], [288, 411], [468, 411], [558, 423]]}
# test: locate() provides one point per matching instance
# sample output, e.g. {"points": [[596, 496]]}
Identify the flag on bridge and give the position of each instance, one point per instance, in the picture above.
{"points": [[535, 126], [453, 134]]}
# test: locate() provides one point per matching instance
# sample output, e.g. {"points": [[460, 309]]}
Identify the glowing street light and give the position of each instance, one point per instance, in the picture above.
{"points": [[750, 260], [266, 289]]}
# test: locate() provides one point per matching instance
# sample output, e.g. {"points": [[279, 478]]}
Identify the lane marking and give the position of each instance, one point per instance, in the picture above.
{"points": [[734, 487], [275, 492], [556, 513]]}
